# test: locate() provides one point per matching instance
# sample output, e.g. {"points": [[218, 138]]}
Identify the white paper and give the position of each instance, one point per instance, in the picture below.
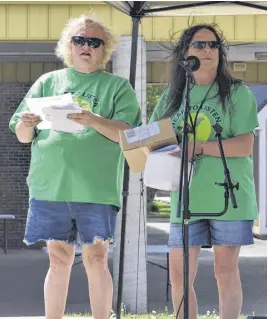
{"points": [[168, 149], [53, 112], [59, 120], [36, 105]]}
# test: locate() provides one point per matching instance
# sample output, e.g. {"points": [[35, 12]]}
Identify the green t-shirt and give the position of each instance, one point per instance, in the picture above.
{"points": [[241, 118], [83, 166]]}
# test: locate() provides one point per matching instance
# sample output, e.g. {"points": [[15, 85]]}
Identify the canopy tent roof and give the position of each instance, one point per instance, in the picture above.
{"points": [[182, 8]]}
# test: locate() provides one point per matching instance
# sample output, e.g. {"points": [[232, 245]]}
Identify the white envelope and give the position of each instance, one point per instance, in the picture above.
{"points": [[54, 110], [162, 171], [59, 120]]}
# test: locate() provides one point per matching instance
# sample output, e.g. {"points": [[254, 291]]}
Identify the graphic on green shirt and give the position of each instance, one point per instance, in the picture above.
{"points": [[203, 126], [207, 116], [86, 100], [84, 104]]}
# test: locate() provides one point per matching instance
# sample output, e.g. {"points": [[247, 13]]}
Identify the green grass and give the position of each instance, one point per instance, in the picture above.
{"points": [[153, 315], [160, 210]]}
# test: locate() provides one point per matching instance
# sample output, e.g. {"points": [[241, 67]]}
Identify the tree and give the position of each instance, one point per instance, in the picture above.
{"points": [[153, 94]]}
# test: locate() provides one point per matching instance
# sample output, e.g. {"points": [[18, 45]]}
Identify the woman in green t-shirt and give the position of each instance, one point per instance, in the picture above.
{"points": [[75, 178], [215, 98]]}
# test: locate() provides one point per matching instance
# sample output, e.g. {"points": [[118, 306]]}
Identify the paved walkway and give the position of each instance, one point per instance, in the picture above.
{"points": [[22, 274]]}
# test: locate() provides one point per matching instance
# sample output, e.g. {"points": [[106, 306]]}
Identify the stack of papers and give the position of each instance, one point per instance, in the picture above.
{"points": [[168, 149], [53, 112]]}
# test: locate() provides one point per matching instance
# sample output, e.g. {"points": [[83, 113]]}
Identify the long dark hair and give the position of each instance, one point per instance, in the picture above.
{"points": [[178, 80]]}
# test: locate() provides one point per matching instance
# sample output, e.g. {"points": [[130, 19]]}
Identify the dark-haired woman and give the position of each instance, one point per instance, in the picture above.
{"points": [[215, 97]]}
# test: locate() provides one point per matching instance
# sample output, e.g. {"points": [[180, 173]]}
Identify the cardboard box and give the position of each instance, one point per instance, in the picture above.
{"points": [[138, 142]]}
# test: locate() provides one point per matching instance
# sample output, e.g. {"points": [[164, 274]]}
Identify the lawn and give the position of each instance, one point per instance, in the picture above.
{"points": [[160, 210], [154, 315]]}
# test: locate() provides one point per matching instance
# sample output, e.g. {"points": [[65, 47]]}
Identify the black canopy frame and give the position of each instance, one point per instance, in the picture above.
{"points": [[138, 10]]}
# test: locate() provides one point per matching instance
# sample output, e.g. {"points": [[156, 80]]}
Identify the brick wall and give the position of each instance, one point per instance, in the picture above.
{"points": [[14, 164]]}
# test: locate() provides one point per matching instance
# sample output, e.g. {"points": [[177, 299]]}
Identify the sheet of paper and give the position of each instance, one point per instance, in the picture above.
{"points": [[59, 120], [36, 105], [168, 149], [54, 110]]}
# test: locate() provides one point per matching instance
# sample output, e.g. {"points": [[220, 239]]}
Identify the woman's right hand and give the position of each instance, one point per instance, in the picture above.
{"points": [[30, 119]]}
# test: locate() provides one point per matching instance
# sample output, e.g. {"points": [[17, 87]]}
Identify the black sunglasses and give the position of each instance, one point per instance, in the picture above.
{"points": [[91, 42], [202, 44]]}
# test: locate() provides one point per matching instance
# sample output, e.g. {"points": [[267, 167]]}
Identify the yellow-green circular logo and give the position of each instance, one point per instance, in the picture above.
{"points": [[203, 126], [84, 104]]}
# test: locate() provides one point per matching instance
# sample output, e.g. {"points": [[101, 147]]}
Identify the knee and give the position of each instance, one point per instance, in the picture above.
{"points": [[225, 273], [95, 261], [176, 275], [60, 260], [175, 272]]}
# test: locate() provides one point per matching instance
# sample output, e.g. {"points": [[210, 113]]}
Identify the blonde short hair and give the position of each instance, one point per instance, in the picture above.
{"points": [[63, 49]]}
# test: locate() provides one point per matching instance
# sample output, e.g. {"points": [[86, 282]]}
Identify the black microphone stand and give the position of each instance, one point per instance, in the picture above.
{"points": [[184, 188]]}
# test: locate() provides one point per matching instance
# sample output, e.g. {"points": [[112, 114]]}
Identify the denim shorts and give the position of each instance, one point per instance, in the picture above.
{"points": [[208, 232], [74, 223]]}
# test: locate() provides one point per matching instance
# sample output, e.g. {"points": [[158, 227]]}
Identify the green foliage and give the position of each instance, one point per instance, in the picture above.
{"points": [[161, 207], [160, 210], [153, 94], [150, 197], [153, 315]]}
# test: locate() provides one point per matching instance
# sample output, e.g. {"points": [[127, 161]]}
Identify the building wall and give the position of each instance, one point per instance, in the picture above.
{"points": [[24, 72], [14, 158], [16, 79], [157, 72], [256, 72], [18, 21]]}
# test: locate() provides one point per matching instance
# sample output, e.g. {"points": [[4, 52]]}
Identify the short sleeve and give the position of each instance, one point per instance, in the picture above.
{"points": [[127, 108], [160, 108], [35, 91], [244, 116]]}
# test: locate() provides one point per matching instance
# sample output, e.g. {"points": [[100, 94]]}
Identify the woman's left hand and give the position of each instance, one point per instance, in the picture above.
{"points": [[86, 118], [197, 149]]}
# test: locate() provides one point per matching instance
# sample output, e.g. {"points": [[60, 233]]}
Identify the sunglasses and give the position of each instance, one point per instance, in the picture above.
{"points": [[202, 44], [91, 42]]}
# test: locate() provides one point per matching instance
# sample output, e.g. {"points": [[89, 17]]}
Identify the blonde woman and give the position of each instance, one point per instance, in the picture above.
{"points": [[75, 180]]}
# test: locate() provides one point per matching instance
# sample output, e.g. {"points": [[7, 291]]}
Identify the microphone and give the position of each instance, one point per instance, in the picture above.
{"points": [[192, 63]]}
